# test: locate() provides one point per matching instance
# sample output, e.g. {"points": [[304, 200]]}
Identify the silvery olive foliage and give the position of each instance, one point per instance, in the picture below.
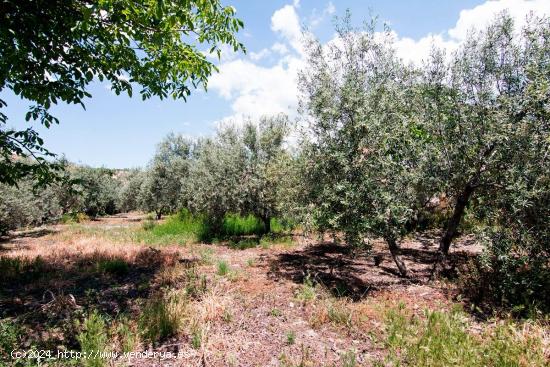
{"points": [[93, 191], [501, 164], [488, 106], [381, 140], [365, 145], [240, 170], [162, 184], [97, 191], [265, 166], [23, 206], [129, 198], [385, 137]]}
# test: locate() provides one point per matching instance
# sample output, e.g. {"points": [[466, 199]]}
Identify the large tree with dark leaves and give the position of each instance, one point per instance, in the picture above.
{"points": [[51, 50]]}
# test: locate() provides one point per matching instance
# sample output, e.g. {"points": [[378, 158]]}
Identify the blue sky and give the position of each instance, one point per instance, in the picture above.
{"points": [[121, 132]]}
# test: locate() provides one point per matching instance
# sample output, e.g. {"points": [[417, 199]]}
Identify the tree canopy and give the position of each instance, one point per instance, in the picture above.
{"points": [[50, 51]]}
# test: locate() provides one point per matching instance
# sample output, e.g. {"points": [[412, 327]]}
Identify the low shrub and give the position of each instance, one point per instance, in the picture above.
{"points": [[74, 217], [506, 278], [9, 338], [93, 340]]}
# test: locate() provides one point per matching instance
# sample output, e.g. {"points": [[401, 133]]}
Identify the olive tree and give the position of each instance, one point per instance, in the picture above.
{"points": [[25, 205], [365, 146], [161, 188], [241, 170], [488, 109], [264, 168], [216, 177], [97, 190], [130, 190]]}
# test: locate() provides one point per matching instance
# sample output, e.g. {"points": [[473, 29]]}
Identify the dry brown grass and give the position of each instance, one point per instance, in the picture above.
{"points": [[240, 318]]}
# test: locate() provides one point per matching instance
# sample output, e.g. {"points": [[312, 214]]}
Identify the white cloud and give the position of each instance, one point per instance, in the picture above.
{"points": [[279, 48], [286, 22], [316, 18], [330, 9], [416, 51], [254, 90], [469, 19], [256, 56], [483, 14]]}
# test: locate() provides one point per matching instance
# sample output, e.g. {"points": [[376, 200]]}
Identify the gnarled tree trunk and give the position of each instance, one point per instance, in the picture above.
{"points": [[462, 201], [451, 228], [395, 253]]}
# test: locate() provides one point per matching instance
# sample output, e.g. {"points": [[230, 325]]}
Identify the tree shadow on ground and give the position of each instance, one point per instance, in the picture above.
{"points": [[34, 233], [46, 295], [356, 274], [327, 263]]}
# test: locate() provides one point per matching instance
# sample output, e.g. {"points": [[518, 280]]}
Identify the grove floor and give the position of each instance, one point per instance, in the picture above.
{"points": [[258, 314]]}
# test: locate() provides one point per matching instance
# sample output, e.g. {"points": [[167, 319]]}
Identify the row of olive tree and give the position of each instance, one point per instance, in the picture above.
{"points": [[239, 170], [92, 191], [384, 137]]}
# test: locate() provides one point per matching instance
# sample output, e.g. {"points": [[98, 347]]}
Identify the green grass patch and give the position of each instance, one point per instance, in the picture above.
{"points": [[307, 291], [290, 337], [16, 269], [243, 244], [162, 317], [275, 239], [237, 225], [181, 229], [441, 338], [117, 267], [75, 217], [223, 268], [183, 225], [128, 338], [281, 226]]}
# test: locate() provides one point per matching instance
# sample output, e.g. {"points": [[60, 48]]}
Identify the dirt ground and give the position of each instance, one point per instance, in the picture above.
{"points": [[254, 316]]}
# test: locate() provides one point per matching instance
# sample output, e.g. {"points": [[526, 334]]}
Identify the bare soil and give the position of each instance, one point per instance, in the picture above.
{"points": [[252, 317]]}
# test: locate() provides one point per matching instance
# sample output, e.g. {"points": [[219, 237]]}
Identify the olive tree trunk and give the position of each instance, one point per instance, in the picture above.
{"points": [[267, 224], [462, 201], [395, 253]]}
